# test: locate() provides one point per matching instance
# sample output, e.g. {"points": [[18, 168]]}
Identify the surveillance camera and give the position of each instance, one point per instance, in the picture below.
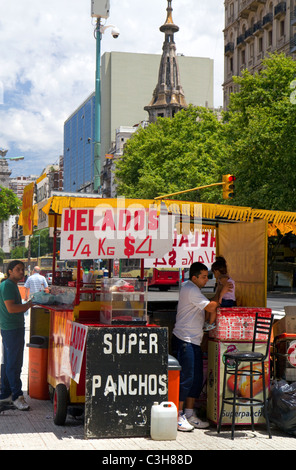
{"points": [[115, 32]]}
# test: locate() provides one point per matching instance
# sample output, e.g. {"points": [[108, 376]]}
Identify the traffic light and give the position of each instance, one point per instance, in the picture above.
{"points": [[228, 186]]}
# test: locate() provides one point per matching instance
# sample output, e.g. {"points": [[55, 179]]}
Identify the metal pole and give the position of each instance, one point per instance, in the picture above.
{"points": [[97, 146]]}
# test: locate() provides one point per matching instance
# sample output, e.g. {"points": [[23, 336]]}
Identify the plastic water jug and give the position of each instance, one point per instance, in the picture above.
{"points": [[164, 421]]}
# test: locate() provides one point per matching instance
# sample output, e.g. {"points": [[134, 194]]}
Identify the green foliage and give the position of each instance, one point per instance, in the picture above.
{"points": [[260, 130], [255, 142], [9, 203], [41, 243], [2, 255], [19, 252], [173, 155]]}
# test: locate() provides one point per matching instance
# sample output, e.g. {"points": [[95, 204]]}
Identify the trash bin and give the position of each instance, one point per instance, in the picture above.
{"points": [[38, 354], [173, 380]]}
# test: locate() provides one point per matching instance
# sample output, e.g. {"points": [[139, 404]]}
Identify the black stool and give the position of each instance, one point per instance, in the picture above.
{"points": [[263, 325]]}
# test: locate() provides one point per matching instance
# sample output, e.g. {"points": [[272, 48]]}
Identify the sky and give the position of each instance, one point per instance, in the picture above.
{"points": [[47, 62]]}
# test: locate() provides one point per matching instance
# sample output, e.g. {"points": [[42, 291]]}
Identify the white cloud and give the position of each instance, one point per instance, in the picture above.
{"points": [[47, 60]]}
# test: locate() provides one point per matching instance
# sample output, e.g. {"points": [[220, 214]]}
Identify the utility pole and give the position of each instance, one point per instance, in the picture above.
{"points": [[99, 9]]}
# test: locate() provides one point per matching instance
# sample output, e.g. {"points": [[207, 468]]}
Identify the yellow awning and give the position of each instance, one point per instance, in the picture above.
{"points": [[283, 221]]}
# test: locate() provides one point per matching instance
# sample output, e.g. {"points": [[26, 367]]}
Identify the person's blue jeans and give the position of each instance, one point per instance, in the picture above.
{"points": [[189, 357], [13, 342]]}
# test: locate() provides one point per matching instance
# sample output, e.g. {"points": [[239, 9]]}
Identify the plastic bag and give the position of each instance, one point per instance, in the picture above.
{"points": [[282, 406], [42, 298]]}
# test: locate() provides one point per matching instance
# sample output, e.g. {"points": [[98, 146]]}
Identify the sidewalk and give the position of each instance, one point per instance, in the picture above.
{"points": [[35, 430]]}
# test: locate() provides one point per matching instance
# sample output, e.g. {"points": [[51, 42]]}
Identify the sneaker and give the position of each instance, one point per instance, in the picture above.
{"points": [[209, 327], [8, 400], [183, 424], [198, 423], [20, 403]]}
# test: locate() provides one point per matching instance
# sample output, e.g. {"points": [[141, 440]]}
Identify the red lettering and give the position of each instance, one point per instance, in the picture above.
{"points": [[213, 241], [108, 220], [184, 240], [124, 221], [81, 222], [100, 247], [152, 219], [204, 239], [69, 220], [82, 340], [91, 220], [139, 223]]}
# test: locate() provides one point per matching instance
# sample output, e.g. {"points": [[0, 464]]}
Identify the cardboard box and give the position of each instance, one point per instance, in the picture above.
{"points": [[287, 324], [237, 323]]}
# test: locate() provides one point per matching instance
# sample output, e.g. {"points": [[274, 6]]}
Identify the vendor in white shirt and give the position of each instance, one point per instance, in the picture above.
{"points": [[186, 341]]}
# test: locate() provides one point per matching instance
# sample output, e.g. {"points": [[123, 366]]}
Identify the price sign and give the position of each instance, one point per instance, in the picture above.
{"points": [[187, 249], [105, 232]]}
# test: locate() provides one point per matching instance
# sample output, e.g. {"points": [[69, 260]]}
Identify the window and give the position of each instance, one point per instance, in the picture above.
{"points": [[270, 38], [260, 44], [243, 56], [230, 64], [282, 28]]}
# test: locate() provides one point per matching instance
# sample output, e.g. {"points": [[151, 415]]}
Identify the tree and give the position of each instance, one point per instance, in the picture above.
{"points": [[260, 130], [19, 252], [2, 256], [41, 243], [255, 142], [9, 203], [173, 155]]}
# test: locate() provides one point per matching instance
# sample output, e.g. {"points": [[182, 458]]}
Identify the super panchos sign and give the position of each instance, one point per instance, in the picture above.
{"points": [[105, 232]]}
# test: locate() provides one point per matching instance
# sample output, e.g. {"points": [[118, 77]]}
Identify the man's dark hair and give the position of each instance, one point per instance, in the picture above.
{"points": [[196, 268], [12, 265]]}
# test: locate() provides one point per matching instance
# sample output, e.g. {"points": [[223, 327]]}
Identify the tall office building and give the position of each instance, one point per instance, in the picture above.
{"points": [[78, 147], [254, 28], [127, 81]]}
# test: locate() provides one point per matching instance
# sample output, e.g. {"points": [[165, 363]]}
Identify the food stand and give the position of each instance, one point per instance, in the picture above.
{"points": [[93, 228]]}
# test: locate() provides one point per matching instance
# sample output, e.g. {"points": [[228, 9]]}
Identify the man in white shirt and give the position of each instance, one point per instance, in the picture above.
{"points": [[186, 341], [35, 283]]}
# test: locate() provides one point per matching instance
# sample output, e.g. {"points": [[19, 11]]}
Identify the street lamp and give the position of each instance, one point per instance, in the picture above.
{"points": [[3, 155], [5, 171], [99, 9]]}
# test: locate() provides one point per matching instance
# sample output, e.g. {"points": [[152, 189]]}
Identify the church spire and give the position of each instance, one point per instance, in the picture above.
{"points": [[168, 96]]}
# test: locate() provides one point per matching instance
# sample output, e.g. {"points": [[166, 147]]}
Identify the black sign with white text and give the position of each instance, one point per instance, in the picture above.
{"points": [[126, 371]]}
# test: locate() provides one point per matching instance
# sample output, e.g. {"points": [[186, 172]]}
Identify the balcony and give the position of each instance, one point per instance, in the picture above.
{"points": [[248, 6], [249, 33], [267, 20], [229, 48], [280, 9], [257, 28], [293, 17], [240, 40]]}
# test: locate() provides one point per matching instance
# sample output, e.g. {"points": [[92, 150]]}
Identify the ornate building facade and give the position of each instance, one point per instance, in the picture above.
{"points": [[253, 29]]}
